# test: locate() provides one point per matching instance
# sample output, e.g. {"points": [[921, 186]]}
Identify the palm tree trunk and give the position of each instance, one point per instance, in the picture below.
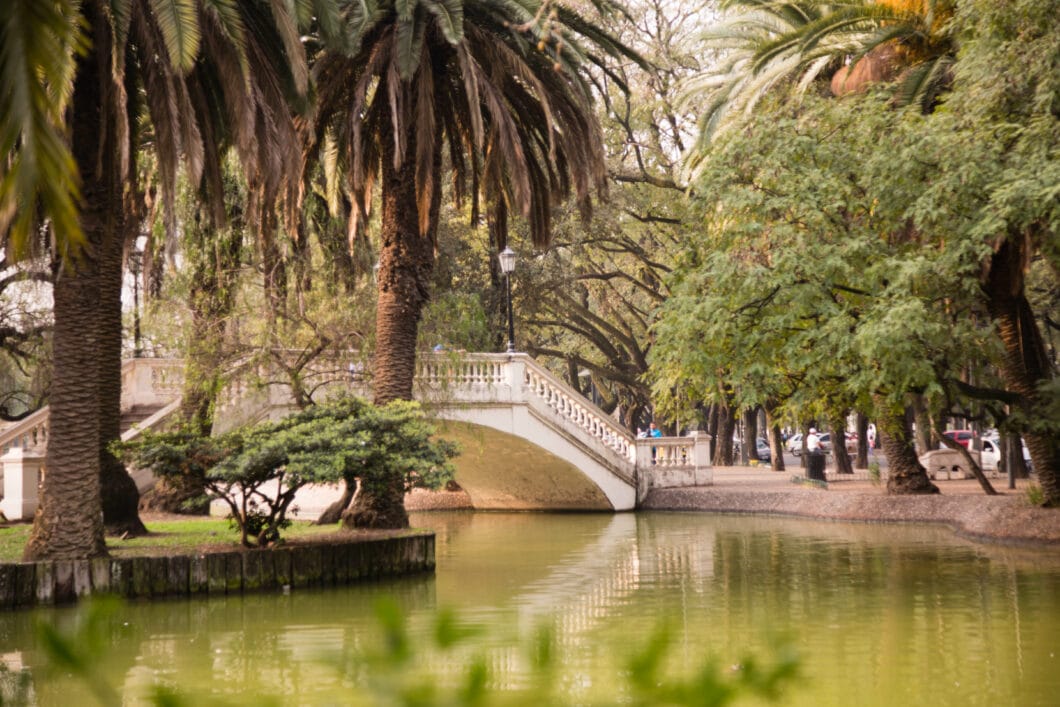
{"points": [[1026, 363], [406, 262], [119, 495], [69, 522], [906, 475]]}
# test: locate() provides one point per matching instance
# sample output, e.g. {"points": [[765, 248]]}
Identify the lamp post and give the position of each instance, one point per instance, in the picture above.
{"points": [[136, 262], [507, 261]]}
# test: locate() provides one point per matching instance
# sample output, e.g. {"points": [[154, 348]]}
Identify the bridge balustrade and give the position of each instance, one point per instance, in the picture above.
{"points": [[673, 462], [452, 370], [151, 382], [490, 379], [592, 420]]}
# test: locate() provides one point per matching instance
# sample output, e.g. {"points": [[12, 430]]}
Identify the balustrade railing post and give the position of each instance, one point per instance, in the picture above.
{"points": [[22, 470], [515, 376], [701, 465], [644, 457]]}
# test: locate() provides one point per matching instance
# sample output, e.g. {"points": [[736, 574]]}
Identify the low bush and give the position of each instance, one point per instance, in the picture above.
{"points": [[258, 470]]}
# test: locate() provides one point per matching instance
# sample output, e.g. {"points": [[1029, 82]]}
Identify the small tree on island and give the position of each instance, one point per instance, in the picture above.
{"points": [[258, 470]]}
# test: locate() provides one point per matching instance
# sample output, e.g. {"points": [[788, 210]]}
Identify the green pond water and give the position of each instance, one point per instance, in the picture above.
{"points": [[878, 614]]}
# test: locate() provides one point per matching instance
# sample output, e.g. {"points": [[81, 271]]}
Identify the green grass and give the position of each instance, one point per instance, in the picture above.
{"points": [[12, 540], [166, 537]]}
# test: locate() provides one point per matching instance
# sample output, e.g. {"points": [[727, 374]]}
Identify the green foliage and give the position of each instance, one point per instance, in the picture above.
{"points": [[256, 471], [39, 46], [78, 651], [13, 541], [398, 671], [458, 321], [1034, 495], [835, 268]]}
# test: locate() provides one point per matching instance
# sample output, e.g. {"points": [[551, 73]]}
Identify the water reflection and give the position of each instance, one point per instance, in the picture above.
{"points": [[880, 614]]}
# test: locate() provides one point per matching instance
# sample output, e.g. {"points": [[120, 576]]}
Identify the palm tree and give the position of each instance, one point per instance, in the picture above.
{"points": [[493, 87], [756, 58], [211, 73], [785, 48]]}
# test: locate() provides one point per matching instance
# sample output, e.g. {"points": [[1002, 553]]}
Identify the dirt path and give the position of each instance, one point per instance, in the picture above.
{"points": [[1007, 518]]}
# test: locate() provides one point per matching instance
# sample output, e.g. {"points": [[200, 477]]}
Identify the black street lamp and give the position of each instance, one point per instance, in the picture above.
{"points": [[507, 260], [136, 263]]}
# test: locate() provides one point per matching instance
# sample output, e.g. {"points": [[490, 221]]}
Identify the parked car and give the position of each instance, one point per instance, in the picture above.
{"points": [[794, 444], [961, 437], [850, 443], [763, 450], [990, 455]]}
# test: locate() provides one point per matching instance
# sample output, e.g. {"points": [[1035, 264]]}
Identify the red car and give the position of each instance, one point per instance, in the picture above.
{"points": [[962, 437]]}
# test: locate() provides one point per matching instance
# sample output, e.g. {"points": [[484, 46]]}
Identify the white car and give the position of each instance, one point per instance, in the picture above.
{"points": [[794, 444], [991, 454]]}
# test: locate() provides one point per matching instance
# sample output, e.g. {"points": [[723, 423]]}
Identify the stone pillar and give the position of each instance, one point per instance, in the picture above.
{"points": [[703, 472], [22, 472], [516, 376], [644, 460]]}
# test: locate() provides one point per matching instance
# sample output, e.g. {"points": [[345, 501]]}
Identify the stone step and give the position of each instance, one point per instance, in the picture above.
{"points": [[137, 414]]}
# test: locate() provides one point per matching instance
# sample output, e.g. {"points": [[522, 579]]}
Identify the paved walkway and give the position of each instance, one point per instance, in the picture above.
{"points": [[762, 477], [1006, 518], [312, 500]]}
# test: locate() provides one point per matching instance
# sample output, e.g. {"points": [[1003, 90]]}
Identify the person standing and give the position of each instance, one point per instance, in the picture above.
{"points": [[654, 431], [813, 442], [815, 456]]}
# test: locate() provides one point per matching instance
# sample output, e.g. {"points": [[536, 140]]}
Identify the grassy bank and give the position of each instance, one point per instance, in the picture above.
{"points": [[166, 536]]}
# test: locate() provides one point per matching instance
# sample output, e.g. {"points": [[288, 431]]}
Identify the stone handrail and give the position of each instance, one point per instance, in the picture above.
{"points": [[672, 462], [443, 369], [144, 381], [516, 377], [151, 381], [31, 432], [594, 421]]}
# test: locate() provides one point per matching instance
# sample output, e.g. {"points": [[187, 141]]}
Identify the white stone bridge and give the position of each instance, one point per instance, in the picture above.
{"points": [[528, 441]]}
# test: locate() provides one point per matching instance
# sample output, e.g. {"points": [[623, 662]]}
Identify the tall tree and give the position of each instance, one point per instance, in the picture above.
{"points": [[500, 85], [587, 305], [135, 45], [1010, 207]]}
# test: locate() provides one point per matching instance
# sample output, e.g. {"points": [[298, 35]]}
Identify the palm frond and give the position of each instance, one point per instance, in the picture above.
{"points": [[426, 137], [224, 16], [922, 84], [286, 24], [408, 47], [178, 21], [39, 43], [449, 16]]}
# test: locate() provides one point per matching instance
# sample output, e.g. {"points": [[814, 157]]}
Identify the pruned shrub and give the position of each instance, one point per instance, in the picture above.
{"points": [[258, 470]]}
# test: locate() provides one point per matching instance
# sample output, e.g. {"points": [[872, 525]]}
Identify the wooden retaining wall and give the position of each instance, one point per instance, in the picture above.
{"points": [[27, 584]]}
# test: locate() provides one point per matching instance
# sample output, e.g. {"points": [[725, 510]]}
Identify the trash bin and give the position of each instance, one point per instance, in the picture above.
{"points": [[815, 466]]}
